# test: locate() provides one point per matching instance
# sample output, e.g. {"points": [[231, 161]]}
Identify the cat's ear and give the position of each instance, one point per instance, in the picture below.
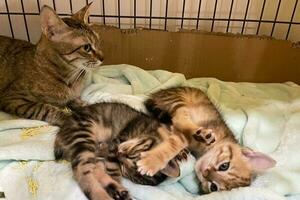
{"points": [[257, 160], [52, 26], [83, 14], [172, 169]]}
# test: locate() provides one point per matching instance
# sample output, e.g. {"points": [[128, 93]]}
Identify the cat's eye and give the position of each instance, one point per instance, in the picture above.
{"points": [[224, 166], [87, 47], [213, 187]]}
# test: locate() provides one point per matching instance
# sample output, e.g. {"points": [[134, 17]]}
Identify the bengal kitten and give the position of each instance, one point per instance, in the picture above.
{"points": [[104, 141], [39, 81], [197, 124]]}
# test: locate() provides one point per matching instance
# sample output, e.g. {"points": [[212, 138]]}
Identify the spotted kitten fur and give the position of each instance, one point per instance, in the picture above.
{"points": [[222, 163], [103, 142]]}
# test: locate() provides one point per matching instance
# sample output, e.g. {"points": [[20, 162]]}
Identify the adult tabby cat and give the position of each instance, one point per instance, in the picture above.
{"points": [[104, 141], [223, 164], [39, 81]]}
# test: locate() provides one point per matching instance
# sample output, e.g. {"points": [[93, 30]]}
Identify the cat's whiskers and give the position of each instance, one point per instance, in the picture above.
{"points": [[81, 70], [91, 64], [74, 75], [71, 76], [79, 75]]}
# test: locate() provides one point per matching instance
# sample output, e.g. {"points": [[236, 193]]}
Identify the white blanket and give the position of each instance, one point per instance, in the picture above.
{"points": [[265, 117]]}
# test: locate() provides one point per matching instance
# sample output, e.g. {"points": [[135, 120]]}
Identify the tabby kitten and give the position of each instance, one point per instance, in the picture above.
{"points": [[39, 81], [223, 164], [104, 141]]}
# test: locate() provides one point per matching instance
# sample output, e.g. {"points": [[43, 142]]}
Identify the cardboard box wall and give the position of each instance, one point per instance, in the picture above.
{"points": [[195, 54]]}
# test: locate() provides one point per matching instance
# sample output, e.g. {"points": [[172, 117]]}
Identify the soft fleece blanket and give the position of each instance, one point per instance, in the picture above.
{"points": [[265, 117]]}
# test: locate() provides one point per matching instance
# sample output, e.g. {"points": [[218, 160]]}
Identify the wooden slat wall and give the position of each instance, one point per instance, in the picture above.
{"points": [[229, 58]]}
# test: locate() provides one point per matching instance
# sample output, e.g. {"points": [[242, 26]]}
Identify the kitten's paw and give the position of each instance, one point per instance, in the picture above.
{"points": [[150, 164], [183, 155], [97, 193], [205, 135], [117, 192]]}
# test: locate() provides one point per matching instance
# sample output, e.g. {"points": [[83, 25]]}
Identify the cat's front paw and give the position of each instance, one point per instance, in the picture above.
{"points": [[76, 103], [205, 135], [150, 164]]}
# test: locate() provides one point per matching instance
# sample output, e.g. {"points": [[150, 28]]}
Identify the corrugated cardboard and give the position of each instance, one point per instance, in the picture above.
{"points": [[226, 57]]}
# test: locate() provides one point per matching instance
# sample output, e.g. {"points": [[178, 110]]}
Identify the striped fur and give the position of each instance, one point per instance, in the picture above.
{"points": [[40, 81], [197, 121], [103, 142]]}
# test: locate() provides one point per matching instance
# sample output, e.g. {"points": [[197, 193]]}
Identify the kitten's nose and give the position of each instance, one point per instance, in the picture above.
{"points": [[205, 174], [120, 153]]}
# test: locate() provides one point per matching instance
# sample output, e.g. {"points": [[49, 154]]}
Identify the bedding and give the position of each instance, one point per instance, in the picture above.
{"points": [[265, 117]]}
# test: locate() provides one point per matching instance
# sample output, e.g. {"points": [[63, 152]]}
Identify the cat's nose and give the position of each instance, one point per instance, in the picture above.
{"points": [[101, 56]]}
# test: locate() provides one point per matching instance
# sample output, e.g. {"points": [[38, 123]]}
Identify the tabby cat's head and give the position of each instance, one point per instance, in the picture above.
{"points": [[129, 153], [72, 38], [228, 165]]}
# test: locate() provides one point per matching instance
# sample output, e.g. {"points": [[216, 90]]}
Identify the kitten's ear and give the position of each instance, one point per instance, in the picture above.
{"points": [[52, 26], [83, 14], [257, 160], [172, 169]]}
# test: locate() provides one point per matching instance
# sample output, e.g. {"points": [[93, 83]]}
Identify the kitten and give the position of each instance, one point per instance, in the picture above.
{"points": [[104, 141], [39, 81], [223, 164]]}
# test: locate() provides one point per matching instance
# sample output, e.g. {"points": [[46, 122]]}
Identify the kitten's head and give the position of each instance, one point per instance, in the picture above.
{"points": [[228, 165], [129, 153], [72, 38]]}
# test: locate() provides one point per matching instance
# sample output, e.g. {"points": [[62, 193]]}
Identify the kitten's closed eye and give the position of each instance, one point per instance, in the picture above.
{"points": [[133, 156], [224, 166]]}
